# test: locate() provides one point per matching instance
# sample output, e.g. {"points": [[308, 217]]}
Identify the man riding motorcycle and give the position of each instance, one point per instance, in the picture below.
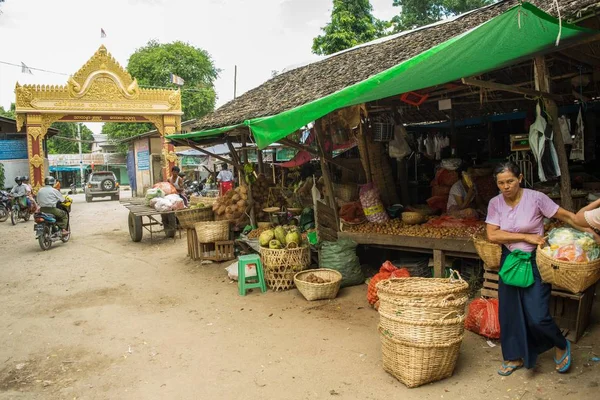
{"points": [[47, 198], [19, 193]]}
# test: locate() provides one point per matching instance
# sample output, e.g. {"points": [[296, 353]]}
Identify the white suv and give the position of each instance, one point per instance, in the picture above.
{"points": [[102, 184]]}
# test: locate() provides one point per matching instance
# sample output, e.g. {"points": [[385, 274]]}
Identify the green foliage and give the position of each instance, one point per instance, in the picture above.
{"points": [[120, 131], [152, 65], [416, 13], [56, 145], [10, 113], [352, 23]]}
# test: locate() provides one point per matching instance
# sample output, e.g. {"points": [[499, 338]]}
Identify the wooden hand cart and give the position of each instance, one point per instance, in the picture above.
{"points": [[145, 217]]}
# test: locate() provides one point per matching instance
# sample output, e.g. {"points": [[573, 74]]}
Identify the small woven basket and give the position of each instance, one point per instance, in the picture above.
{"points": [[188, 217], [574, 276], [415, 364], [412, 218], [264, 225], [319, 291], [490, 253], [212, 231]]}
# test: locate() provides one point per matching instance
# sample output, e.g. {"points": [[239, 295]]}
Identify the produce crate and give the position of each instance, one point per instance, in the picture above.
{"points": [[218, 251], [570, 311]]}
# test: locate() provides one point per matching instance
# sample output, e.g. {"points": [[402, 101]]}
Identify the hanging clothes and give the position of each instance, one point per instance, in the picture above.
{"points": [[540, 140], [565, 129], [577, 152]]}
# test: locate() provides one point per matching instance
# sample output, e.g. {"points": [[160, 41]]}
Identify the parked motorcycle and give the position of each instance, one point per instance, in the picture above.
{"points": [[4, 205], [47, 231], [19, 210], [192, 188]]}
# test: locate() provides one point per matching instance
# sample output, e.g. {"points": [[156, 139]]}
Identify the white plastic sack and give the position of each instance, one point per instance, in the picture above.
{"points": [[398, 146], [163, 204], [232, 271], [177, 202]]}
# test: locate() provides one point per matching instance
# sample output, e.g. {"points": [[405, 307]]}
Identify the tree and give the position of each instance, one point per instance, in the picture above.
{"points": [[56, 145], [10, 113], [152, 66], [416, 13], [352, 23]]}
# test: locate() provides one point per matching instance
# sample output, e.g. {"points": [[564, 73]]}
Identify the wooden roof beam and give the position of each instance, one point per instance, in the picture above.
{"points": [[508, 88], [191, 144], [581, 57]]}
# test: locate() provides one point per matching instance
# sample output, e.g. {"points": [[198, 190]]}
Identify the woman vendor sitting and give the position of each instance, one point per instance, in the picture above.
{"points": [[516, 220], [463, 200]]}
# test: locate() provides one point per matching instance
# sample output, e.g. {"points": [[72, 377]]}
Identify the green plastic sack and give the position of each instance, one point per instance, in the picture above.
{"points": [[517, 270], [341, 256]]}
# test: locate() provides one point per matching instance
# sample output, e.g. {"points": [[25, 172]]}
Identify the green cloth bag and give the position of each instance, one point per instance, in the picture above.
{"points": [[517, 269]]}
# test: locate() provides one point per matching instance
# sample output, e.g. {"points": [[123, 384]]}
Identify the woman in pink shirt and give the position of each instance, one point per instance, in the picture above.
{"points": [[516, 221]]}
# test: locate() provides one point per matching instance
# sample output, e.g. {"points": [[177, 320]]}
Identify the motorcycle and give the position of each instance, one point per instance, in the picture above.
{"points": [[19, 210], [192, 188], [47, 231], [4, 205]]}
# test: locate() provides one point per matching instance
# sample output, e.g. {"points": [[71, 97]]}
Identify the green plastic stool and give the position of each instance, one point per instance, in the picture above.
{"points": [[260, 277]]}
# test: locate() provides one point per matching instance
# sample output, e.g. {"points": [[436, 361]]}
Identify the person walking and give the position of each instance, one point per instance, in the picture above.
{"points": [[225, 180]]}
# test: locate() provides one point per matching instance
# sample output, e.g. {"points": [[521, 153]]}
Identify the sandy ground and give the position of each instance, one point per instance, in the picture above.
{"points": [[102, 317]]}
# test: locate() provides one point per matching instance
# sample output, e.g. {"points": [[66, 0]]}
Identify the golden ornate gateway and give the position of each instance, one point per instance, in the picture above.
{"points": [[101, 91]]}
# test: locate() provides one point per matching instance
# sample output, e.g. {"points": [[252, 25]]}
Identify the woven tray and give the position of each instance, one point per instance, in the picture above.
{"points": [[412, 218], [573, 276], [318, 291], [490, 253], [188, 217]]}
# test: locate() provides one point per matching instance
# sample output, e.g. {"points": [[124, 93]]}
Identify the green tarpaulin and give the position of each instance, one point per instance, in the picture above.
{"points": [[516, 34]]}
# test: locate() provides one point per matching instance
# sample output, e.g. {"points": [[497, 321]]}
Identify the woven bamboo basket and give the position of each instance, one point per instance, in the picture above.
{"points": [[426, 288], [264, 225], [282, 278], [490, 253], [412, 218], [212, 231], [319, 291], [421, 308], [574, 276], [449, 327], [207, 201], [276, 258], [415, 364], [188, 217]]}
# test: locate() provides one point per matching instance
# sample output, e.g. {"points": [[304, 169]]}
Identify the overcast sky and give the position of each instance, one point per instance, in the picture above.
{"points": [[256, 35]]}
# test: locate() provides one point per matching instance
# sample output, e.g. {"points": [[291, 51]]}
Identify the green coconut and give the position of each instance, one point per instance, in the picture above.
{"points": [[280, 235], [266, 237], [293, 237], [275, 244]]}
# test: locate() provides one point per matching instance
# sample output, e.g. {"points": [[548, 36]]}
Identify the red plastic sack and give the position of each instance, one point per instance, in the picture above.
{"points": [[166, 187], [482, 318], [438, 190], [445, 177], [387, 270], [438, 203]]}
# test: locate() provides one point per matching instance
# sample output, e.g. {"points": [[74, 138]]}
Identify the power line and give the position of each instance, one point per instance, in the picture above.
{"points": [[35, 69]]}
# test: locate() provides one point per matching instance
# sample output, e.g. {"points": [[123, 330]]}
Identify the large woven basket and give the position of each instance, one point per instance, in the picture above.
{"points": [[319, 291], [415, 364], [449, 327], [425, 288], [574, 276], [212, 231], [421, 309], [281, 278], [490, 253], [275, 258], [188, 217], [346, 191]]}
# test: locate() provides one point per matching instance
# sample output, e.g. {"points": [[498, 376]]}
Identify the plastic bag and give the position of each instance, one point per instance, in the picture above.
{"points": [[166, 187], [571, 252], [163, 204], [372, 205], [562, 239], [154, 193], [387, 270], [482, 318], [177, 202], [398, 146], [232, 271], [341, 256]]}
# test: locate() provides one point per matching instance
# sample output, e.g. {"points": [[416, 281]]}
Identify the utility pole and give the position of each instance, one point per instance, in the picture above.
{"points": [[80, 154]]}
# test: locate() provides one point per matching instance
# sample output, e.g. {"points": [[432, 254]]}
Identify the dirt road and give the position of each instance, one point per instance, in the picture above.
{"points": [[102, 317]]}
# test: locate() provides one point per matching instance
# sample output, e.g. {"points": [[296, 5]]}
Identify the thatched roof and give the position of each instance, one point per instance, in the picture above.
{"points": [[313, 81]]}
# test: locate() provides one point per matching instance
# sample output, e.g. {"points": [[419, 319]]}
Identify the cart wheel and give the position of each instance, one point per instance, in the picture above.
{"points": [[135, 227], [169, 224]]}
